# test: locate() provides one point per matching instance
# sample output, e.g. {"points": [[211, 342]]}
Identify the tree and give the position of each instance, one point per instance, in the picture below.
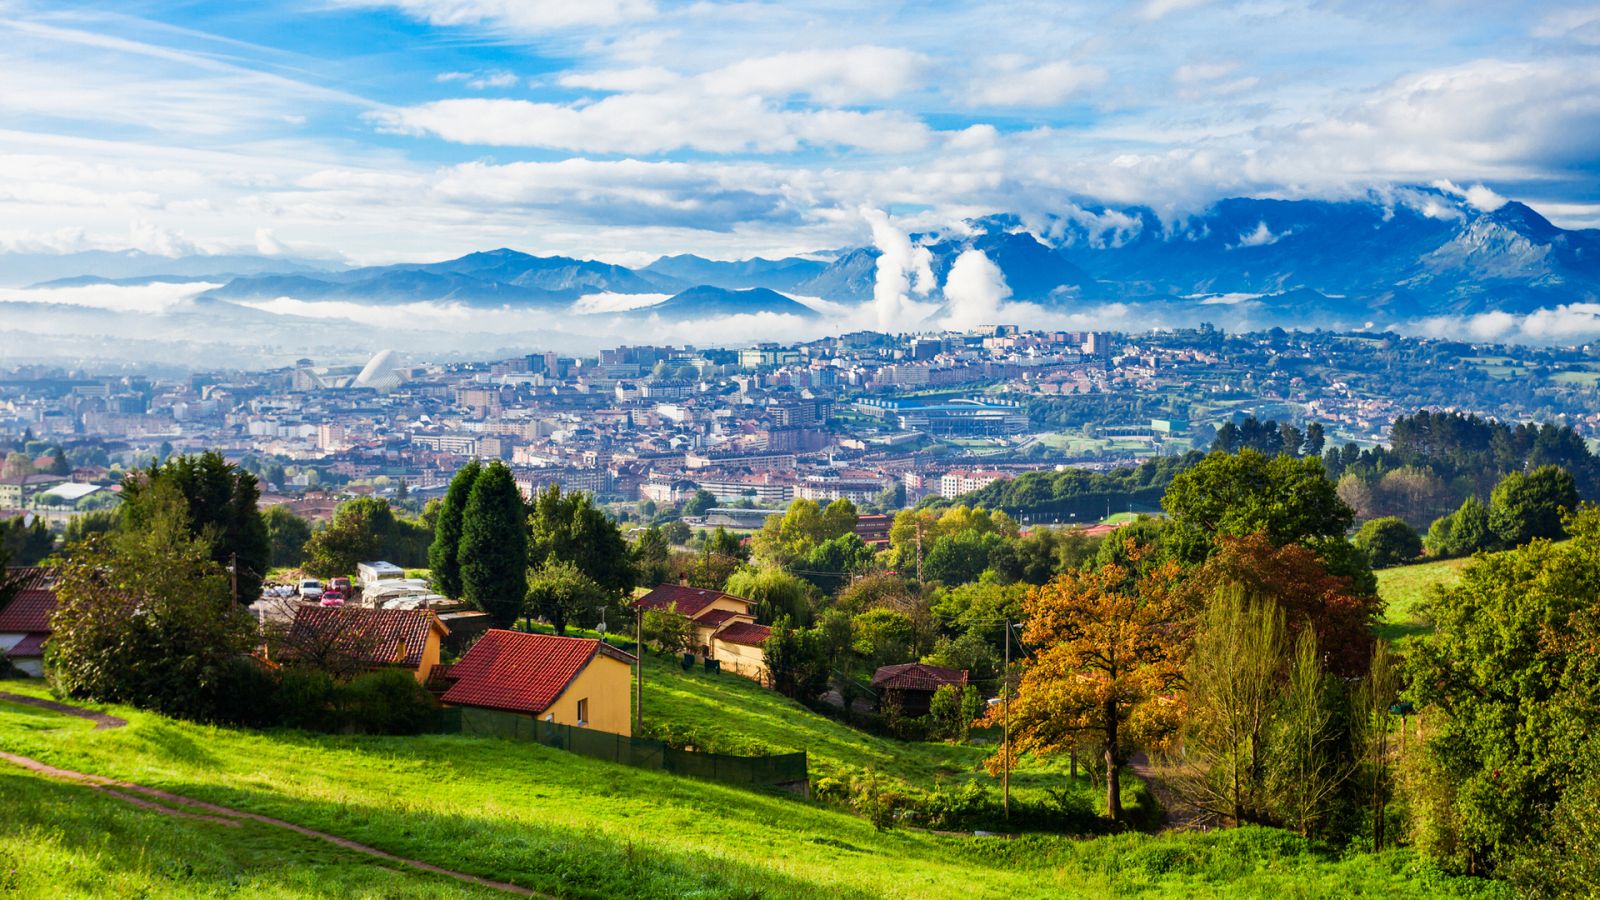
{"points": [[1509, 675], [349, 540], [652, 557], [26, 544], [795, 660], [561, 593], [145, 615], [444, 555], [884, 636], [288, 534], [1462, 533], [494, 546], [1307, 768], [1290, 500], [697, 505], [1389, 541], [1300, 584], [775, 594], [58, 463], [570, 527], [1524, 507], [1107, 645], [1232, 678], [952, 710], [220, 502], [668, 630], [100, 521]]}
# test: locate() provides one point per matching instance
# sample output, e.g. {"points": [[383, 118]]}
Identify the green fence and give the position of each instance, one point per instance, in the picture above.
{"points": [[645, 753]]}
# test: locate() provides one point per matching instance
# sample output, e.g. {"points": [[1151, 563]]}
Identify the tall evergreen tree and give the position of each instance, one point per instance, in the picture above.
{"points": [[494, 545], [444, 556]]}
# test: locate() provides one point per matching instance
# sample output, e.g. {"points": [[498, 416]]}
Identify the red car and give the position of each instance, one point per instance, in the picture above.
{"points": [[333, 598]]}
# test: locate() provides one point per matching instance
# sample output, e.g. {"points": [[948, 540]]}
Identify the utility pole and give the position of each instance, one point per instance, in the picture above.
{"points": [[1005, 727], [638, 670], [233, 576]]}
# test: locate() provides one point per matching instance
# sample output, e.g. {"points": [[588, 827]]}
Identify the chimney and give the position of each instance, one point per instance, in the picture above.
{"points": [[683, 578]]}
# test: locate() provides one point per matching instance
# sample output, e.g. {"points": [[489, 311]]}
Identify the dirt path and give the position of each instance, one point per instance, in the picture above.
{"points": [[101, 720], [179, 806], [1177, 814]]}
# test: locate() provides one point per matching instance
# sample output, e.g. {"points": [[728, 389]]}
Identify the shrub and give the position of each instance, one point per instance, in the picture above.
{"points": [[246, 694], [388, 701], [1389, 541], [304, 699]]}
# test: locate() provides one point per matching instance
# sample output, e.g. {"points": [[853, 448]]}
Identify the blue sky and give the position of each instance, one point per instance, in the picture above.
{"points": [[378, 130]]}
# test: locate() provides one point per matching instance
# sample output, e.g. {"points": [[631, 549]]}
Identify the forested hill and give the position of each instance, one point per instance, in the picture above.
{"points": [[1433, 462], [1080, 492]]}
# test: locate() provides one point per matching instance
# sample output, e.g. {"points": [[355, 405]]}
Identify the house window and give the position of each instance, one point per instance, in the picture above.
{"points": [[583, 711]]}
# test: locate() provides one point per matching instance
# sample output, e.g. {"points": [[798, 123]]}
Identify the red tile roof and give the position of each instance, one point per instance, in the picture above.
{"points": [[917, 677], [711, 618], [521, 672], [30, 610], [29, 647], [374, 636], [746, 633], [690, 600]]}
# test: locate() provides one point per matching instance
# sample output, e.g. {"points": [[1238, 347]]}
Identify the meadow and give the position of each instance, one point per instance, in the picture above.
{"points": [[568, 826]]}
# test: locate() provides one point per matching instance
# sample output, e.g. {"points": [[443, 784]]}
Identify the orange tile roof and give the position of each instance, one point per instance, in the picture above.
{"points": [[376, 636], [520, 672], [746, 633]]}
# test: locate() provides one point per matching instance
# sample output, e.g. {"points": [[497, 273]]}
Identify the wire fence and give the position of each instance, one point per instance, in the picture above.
{"points": [[788, 769]]}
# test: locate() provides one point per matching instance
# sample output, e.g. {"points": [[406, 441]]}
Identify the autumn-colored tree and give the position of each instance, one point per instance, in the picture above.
{"points": [[1107, 649], [1295, 579]]}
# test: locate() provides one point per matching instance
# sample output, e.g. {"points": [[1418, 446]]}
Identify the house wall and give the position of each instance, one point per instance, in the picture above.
{"points": [[607, 684], [430, 656], [751, 662]]}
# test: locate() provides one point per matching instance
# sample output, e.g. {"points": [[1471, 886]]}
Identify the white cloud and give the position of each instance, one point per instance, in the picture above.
{"points": [[1156, 9], [1011, 81], [1190, 73], [1261, 236], [591, 304], [833, 77], [902, 269], [481, 80], [524, 16], [654, 123], [974, 290]]}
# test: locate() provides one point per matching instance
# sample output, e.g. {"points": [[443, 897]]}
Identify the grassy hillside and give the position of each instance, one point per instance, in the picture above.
{"points": [[729, 714], [559, 823], [1404, 589]]}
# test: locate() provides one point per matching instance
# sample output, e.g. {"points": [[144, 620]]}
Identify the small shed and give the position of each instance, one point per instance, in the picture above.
{"points": [[911, 686]]}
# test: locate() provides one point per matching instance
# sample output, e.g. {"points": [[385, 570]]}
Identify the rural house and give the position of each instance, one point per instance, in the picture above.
{"points": [[25, 620], [911, 685], [582, 682], [339, 636], [724, 628]]}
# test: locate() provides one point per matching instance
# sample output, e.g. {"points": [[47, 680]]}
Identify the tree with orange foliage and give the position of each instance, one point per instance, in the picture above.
{"points": [[1107, 648], [1297, 581]]}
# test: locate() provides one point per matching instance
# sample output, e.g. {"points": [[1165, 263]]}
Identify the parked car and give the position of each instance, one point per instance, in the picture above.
{"points": [[310, 589], [340, 584], [332, 598]]}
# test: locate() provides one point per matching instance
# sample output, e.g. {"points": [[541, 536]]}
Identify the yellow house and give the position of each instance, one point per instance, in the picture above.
{"points": [[570, 681], [723, 626], [402, 638]]}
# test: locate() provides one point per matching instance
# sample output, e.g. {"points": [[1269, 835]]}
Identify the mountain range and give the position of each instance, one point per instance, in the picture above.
{"points": [[1393, 256]]}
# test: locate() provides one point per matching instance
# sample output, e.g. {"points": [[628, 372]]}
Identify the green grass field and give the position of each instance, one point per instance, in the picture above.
{"points": [[729, 714], [1405, 590], [566, 825]]}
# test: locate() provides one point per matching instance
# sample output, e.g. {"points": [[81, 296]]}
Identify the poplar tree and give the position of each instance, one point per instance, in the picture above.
{"points": [[444, 559], [494, 545]]}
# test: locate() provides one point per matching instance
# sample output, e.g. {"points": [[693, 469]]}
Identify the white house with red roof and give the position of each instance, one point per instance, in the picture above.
{"points": [[581, 682], [25, 620], [724, 627]]}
